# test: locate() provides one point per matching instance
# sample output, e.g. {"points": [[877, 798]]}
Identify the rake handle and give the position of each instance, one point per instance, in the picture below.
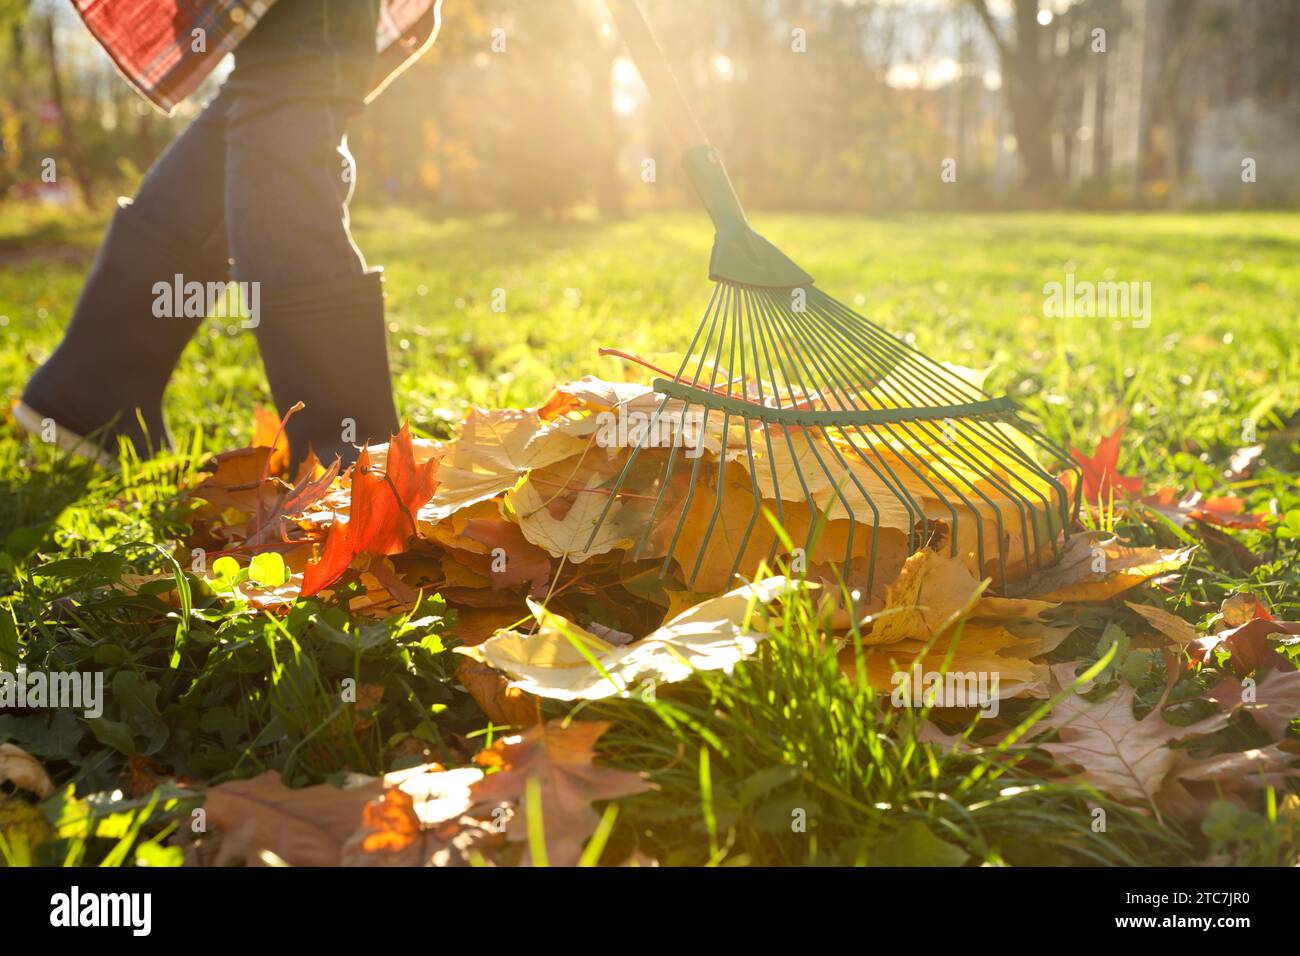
{"points": [[670, 102]]}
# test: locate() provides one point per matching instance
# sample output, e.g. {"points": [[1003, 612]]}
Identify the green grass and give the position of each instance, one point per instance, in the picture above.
{"points": [[215, 694], [962, 289]]}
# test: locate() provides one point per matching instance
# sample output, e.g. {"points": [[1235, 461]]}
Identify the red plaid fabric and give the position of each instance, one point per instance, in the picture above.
{"points": [[156, 43]]}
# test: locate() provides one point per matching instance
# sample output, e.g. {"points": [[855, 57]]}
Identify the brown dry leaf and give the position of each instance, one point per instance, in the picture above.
{"points": [[24, 771], [930, 733], [561, 759], [1194, 785], [1241, 607], [476, 625], [1272, 702], [1249, 644], [304, 827], [1170, 625], [1096, 567], [497, 535], [233, 479], [503, 703], [1128, 759]]}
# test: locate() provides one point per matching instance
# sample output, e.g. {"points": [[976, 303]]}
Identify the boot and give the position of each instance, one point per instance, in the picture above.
{"points": [[326, 346], [106, 378]]}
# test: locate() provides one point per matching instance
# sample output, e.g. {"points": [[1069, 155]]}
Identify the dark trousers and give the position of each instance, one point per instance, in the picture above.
{"points": [[255, 190], [263, 175]]}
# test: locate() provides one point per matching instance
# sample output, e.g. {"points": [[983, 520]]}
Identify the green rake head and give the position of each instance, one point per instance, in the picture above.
{"points": [[789, 402]]}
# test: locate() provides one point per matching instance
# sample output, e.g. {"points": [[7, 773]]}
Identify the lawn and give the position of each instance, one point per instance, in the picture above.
{"points": [[732, 758]]}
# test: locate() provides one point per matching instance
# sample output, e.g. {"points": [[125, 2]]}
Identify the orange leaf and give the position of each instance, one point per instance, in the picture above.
{"points": [[491, 690], [1101, 477], [1226, 511], [393, 820], [267, 433], [382, 513]]}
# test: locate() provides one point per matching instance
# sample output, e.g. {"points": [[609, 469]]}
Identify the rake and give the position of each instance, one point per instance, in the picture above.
{"points": [[820, 416]]}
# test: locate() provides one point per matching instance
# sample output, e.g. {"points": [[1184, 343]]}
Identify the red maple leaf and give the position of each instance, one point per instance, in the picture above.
{"points": [[1101, 478], [1229, 511], [1226, 511], [382, 513]]}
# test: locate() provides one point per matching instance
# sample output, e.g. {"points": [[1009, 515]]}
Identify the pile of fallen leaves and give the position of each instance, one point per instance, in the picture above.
{"points": [[520, 504], [497, 520]]}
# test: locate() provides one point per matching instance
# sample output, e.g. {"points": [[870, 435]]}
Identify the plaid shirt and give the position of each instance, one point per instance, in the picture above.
{"points": [[152, 42]]}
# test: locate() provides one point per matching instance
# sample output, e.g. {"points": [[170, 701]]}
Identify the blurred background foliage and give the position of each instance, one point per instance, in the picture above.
{"points": [[832, 105]]}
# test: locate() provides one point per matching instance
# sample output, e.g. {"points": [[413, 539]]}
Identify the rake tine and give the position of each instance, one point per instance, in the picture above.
{"points": [[928, 430], [722, 454], [748, 302], [704, 429]]}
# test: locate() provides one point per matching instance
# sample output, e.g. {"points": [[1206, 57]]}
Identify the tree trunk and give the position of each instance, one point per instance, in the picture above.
{"points": [[1030, 85], [1100, 134], [80, 172]]}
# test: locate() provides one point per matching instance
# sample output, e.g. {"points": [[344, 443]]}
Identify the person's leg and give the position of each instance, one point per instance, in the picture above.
{"points": [[108, 374], [298, 79]]}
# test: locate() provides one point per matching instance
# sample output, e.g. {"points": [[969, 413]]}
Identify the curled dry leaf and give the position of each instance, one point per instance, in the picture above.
{"points": [[1249, 644], [1096, 567], [504, 704], [556, 661], [1241, 607], [23, 770], [1226, 511], [1272, 702], [1194, 785], [934, 591]]}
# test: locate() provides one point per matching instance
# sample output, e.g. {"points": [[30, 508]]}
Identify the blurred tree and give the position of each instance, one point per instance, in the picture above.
{"points": [[1031, 82], [57, 107], [816, 104]]}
